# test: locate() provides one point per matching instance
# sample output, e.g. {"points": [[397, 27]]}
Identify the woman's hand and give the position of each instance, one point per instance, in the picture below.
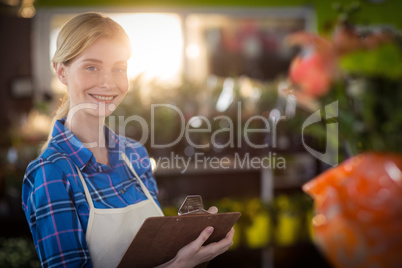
{"points": [[195, 253]]}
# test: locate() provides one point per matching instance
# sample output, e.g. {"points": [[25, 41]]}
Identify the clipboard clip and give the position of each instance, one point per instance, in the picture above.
{"points": [[192, 205]]}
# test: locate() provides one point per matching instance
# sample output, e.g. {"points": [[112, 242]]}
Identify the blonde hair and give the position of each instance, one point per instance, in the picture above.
{"points": [[77, 35]]}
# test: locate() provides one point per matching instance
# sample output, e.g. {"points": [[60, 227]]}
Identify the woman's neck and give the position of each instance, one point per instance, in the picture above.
{"points": [[89, 129]]}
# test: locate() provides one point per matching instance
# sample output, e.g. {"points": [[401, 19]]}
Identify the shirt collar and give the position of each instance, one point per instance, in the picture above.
{"points": [[74, 148]]}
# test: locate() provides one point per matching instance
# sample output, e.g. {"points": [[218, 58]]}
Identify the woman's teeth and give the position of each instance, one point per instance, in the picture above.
{"points": [[102, 97]]}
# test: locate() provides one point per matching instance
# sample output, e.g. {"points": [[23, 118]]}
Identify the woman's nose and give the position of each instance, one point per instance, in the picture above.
{"points": [[107, 80]]}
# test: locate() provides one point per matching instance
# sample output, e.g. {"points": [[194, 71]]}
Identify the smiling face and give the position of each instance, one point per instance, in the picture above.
{"points": [[97, 78]]}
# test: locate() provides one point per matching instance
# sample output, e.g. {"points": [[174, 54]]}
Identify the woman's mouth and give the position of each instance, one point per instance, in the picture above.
{"points": [[102, 97]]}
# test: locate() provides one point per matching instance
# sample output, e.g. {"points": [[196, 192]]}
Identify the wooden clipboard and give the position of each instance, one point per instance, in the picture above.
{"points": [[160, 238]]}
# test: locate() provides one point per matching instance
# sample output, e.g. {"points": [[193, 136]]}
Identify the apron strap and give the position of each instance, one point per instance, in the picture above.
{"points": [[143, 187], [130, 166], [87, 194]]}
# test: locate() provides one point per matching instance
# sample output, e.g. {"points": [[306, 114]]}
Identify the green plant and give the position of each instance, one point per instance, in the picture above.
{"points": [[18, 252], [364, 75]]}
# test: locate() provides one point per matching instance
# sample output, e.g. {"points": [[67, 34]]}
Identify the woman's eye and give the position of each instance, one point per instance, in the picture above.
{"points": [[92, 68], [120, 70]]}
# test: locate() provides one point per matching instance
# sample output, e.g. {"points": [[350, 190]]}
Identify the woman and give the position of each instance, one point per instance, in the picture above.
{"points": [[87, 194]]}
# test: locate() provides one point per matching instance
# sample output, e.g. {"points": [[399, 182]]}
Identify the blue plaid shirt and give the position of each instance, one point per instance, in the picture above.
{"points": [[53, 197]]}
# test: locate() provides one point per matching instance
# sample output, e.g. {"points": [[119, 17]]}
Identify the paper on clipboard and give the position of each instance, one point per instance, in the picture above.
{"points": [[160, 238]]}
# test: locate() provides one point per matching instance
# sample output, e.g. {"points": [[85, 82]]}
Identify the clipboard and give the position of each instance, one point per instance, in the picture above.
{"points": [[160, 238]]}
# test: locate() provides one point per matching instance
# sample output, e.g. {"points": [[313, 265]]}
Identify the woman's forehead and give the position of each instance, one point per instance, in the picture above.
{"points": [[106, 50]]}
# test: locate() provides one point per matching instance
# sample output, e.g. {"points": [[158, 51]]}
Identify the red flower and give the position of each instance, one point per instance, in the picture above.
{"points": [[313, 70]]}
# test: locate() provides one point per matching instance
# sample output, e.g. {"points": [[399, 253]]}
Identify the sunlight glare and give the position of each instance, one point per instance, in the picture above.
{"points": [[156, 42]]}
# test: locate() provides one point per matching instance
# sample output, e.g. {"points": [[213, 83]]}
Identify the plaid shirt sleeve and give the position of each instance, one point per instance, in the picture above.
{"points": [[53, 219]]}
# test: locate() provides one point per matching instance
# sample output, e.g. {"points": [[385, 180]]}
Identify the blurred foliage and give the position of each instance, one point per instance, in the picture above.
{"points": [[18, 253], [384, 62], [362, 65], [167, 109], [368, 88], [369, 99]]}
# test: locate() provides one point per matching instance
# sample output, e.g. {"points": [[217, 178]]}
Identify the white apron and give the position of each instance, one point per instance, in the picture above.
{"points": [[110, 231]]}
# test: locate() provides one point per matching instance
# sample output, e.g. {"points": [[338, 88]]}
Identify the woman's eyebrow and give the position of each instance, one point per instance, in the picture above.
{"points": [[93, 60], [100, 61]]}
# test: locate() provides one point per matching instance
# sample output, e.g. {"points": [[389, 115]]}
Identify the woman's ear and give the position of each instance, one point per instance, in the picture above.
{"points": [[61, 72]]}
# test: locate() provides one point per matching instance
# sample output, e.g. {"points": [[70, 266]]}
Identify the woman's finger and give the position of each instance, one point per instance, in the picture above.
{"points": [[205, 234], [222, 245]]}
